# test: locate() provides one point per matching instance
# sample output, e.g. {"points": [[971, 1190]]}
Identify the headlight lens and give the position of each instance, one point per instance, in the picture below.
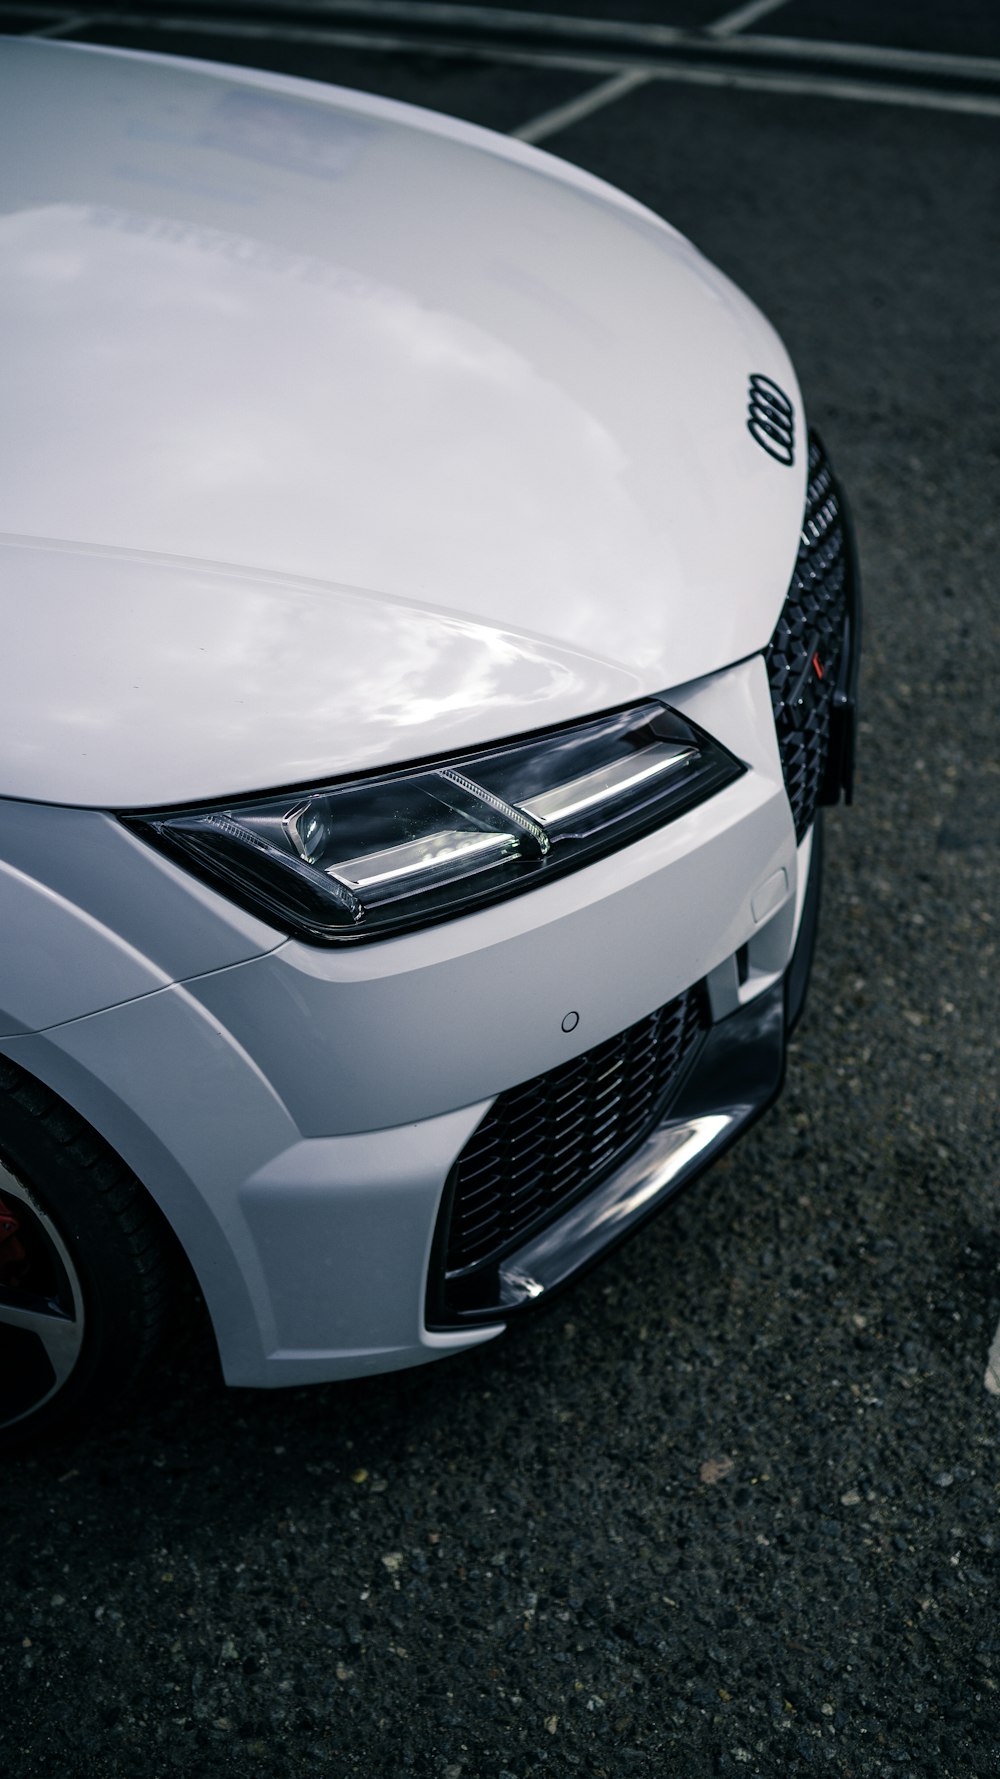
{"points": [[376, 856]]}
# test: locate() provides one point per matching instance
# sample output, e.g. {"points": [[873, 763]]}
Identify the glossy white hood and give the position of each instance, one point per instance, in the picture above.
{"points": [[335, 433]]}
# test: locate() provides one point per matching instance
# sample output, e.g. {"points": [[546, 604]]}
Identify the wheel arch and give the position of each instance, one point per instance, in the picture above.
{"points": [[211, 1237]]}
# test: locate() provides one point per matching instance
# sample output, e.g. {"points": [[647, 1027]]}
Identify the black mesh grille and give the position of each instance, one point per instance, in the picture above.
{"points": [[542, 1143], [803, 658]]}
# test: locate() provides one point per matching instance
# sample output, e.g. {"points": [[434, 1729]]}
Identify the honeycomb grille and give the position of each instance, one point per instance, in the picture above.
{"points": [[543, 1143], [804, 654]]}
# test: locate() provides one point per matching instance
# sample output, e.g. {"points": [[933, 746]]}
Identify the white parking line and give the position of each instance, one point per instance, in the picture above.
{"points": [[992, 1379], [76, 21], [744, 16], [819, 86], [562, 116], [865, 92], [618, 77], [620, 85], [447, 14], [723, 39], [870, 55]]}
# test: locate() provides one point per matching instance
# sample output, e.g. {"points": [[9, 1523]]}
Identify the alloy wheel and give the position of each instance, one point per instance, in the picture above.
{"points": [[41, 1305]]}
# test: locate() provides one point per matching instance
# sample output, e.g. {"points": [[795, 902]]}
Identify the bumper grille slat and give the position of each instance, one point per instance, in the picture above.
{"points": [[546, 1142]]}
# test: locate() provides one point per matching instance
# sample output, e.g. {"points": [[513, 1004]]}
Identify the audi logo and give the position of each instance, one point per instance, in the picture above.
{"points": [[771, 421]]}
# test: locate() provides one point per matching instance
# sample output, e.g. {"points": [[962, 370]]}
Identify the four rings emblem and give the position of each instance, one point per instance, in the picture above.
{"points": [[771, 419]]}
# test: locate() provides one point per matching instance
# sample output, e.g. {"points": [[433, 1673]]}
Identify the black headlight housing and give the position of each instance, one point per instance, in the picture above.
{"points": [[374, 856]]}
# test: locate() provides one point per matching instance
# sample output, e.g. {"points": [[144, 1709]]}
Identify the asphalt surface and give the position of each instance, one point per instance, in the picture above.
{"points": [[731, 1505]]}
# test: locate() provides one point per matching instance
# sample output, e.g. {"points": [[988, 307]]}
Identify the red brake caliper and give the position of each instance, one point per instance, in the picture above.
{"points": [[12, 1250]]}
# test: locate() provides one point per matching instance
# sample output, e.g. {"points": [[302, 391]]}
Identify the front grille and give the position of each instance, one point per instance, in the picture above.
{"points": [[804, 655], [542, 1144]]}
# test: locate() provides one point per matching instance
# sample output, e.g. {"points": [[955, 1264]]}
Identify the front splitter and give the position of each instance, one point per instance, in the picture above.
{"points": [[735, 1076]]}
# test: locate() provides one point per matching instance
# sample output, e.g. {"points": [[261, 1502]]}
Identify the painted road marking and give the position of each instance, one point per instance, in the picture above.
{"points": [[619, 86], [619, 77], [864, 91], [551, 122], [64, 27], [744, 16], [615, 38]]}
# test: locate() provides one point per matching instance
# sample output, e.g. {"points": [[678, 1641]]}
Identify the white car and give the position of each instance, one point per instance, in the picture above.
{"points": [[429, 631]]}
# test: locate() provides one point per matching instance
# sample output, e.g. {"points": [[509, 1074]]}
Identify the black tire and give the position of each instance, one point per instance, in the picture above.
{"points": [[87, 1269]]}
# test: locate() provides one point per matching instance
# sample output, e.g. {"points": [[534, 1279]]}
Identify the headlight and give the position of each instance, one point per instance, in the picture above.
{"points": [[375, 856]]}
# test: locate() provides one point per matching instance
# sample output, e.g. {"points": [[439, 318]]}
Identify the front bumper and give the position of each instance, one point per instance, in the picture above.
{"points": [[296, 1114], [734, 1073], [735, 1076]]}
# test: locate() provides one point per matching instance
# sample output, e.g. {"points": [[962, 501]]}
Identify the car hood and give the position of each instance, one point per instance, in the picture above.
{"points": [[338, 434]]}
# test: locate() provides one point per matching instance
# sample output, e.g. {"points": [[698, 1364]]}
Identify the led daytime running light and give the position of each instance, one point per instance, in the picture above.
{"points": [[381, 855]]}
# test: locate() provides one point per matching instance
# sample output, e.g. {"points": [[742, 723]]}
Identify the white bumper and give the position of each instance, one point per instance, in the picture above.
{"points": [[296, 1114]]}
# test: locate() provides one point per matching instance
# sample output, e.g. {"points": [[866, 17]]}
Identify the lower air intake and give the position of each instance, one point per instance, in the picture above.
{"points": [[547, 1142]]}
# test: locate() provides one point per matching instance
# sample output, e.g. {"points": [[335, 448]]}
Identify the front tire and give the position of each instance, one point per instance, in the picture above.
{"points": [[86, 1269]]}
